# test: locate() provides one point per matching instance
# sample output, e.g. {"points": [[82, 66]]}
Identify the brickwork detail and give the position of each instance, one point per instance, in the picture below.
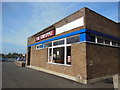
{"points": [[77, 69], [102, 60]]}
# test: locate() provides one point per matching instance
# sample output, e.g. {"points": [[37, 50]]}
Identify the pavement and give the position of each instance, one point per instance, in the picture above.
{"points": [[14, 76]]}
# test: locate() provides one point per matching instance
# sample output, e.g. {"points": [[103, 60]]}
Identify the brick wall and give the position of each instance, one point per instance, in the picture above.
{"points": [[77, 69], [100, 23], [70, 18], [102, 60]]}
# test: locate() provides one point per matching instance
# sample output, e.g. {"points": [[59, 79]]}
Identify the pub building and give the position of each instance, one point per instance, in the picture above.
{"points": [[82, 47]]}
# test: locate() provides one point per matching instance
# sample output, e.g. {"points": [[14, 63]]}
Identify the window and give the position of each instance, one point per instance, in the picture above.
{"points": [[92, 38], [73, 39], [107, 41], [118, 44], [50, 55], [103, 40], [60, 42], [68, 55], [48, 44], [114, 43], [58, 55], [100, 40], [39, 46]]}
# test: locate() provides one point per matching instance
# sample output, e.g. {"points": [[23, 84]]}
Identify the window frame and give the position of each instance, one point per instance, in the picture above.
{"points": [[96, 41], [38, 48], [65, 52], [65, 45], [46, 43], [58, 40], [101, 38], [115, 43], [73, 36], [108, 40], [118, 44]]}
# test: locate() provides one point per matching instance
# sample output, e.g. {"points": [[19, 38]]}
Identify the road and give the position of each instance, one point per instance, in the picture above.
{"points": [[21, 77]]}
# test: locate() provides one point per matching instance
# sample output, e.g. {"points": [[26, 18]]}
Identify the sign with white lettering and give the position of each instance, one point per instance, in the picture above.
{"points": [[46, 35]]}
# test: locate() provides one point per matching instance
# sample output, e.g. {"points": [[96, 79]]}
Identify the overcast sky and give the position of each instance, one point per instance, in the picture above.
{"points": [[23, 19]]}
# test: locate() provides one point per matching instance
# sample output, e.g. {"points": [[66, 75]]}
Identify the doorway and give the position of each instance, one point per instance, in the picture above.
{"points": [[29, 53]]}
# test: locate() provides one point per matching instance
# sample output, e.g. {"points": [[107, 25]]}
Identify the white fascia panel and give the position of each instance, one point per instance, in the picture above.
{"points": [[74, 24]]}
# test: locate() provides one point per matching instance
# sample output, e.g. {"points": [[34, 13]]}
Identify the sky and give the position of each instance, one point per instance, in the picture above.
{"points": [[23, 19]]}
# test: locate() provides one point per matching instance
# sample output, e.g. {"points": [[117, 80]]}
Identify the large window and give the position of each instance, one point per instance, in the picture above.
{"points": [[60, 55], [60, 51]]}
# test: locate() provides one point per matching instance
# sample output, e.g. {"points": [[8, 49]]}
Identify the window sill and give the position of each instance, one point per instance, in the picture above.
{"points": [[59, 64]]}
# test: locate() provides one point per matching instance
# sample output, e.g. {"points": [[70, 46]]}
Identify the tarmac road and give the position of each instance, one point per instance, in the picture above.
{"points": [[21, 77]]}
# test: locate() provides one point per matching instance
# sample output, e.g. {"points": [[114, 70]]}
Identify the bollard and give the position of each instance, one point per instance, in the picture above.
{"points": [[116, 82]]}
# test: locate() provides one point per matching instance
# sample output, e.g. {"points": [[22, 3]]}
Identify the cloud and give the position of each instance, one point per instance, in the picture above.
{"points": [[43, 15], [49, 13]]}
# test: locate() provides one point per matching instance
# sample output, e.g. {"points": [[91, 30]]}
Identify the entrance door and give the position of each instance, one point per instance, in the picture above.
{"points": [[28, 58]]}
